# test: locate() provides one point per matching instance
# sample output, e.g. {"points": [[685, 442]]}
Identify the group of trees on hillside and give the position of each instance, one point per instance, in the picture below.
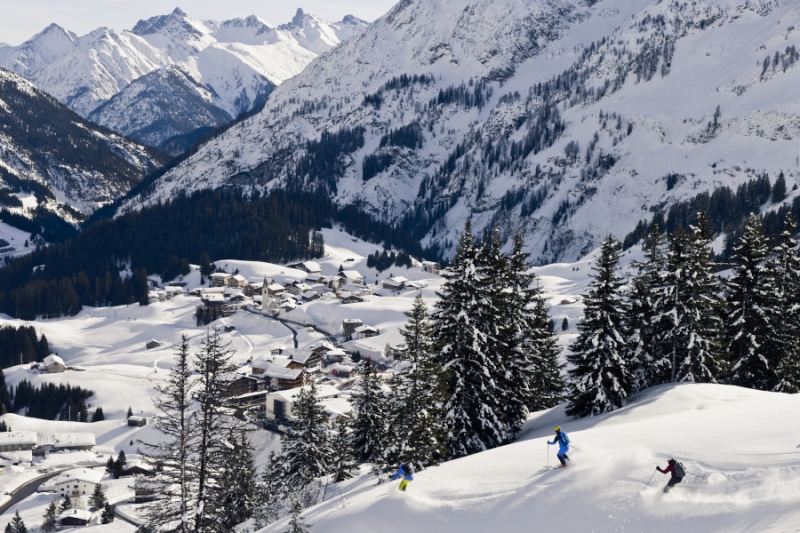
{"points": [[678, 321], [469, 373], [108, 263], [48, 400], [21, 345]]}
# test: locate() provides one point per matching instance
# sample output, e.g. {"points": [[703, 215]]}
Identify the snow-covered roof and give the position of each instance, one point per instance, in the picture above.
{"points": [[80, 514], [73, 440], [214, 297], [220, 275], [239, 277], [352, 321], [80, 474], [276, 287], [323, 391], [12, 438], [336, 351], [351, 274], [279, 372], [312, 266], [310, 295], [364, 329], [399, 279], [53, 359], [336, 406]]}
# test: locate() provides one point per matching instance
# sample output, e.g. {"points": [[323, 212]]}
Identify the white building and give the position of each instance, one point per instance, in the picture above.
{"points": [[54, 364], [16, 447], [74, 441], [280, 404], [77, 482]]}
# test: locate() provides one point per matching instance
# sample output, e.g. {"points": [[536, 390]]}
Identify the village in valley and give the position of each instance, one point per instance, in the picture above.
{"points": [[287, 326]]}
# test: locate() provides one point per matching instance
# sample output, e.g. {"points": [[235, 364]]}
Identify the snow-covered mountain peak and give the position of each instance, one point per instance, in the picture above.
{"points": [[175, 24]]}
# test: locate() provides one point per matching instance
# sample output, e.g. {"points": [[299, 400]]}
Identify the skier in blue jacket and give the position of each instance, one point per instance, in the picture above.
{"points": [[563, 446], [406, 472]]}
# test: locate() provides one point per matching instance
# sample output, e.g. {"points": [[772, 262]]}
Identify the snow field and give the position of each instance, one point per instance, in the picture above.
{"points": [[740, 447]]}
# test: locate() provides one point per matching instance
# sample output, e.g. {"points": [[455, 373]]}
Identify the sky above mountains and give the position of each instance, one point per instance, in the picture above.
{"points": [[24, 18]]}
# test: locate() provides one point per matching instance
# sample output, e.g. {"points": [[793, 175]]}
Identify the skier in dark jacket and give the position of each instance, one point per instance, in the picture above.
{"points": [[406, 472], [676, 476], [563, 446]]}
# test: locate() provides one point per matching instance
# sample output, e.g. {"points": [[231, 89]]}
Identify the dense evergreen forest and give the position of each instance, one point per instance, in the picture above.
{"points": [[108, 263], [50, 401], [21, 345]]}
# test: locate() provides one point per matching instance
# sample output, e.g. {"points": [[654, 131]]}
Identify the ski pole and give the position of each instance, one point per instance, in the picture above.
{"points": [[651, 479], [548, 455]]}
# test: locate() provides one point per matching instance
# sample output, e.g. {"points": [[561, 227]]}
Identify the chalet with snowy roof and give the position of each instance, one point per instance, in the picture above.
{"points": [[313, 279], [288, 306], [137, 468], [349, 326], [282, 378], [352, 276], [75, 517], [305, 359], [309, 267], [152, 343], [280, 404], [352, 299], [77, 482], [365, 332], [237, 281], [396, 283], [242, 385], [137, 421], [219, 279], [336, 355], [311, 296], [253, 289], [274, 289], [15, 441], [74, 441], [431, 266], [213, 299], [54, 364]]}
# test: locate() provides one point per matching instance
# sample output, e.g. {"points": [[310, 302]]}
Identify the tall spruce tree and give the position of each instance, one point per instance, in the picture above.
{"points": [[473, 411], [17, 525], [50, 517], [532, 367], [690, 307], [342, 462], [296, 523], [5, 404], [369, 426], [750, 311], [306, 452], [270, 494], [98, 499], [210, 448], [416, 431], [601, 375], [237, 480], [786, 337], [649, 367]]}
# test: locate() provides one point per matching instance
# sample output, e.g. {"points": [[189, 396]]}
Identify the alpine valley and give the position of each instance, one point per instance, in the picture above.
{"points": [[563, 119]]}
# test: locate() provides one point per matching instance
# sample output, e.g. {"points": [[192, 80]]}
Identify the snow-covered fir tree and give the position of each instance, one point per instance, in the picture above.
{"points": [[473, 411], [786, 337], [50, 517], [416, 430], [642, 324], [532, 365], [688, 300], [369, 426], [296, 523], [602, 380], [174, 473], [237, 480], [270, 495], [750, 311], [98, 500], [306, 453], [210, 448], [343, 463]]}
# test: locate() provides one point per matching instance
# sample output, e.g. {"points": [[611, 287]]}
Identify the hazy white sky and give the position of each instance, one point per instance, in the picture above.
{"points": [[21, 19]]}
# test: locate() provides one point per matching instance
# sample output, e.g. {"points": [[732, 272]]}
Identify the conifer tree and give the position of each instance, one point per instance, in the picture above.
{"points": [[169, 457], [66, 504], [649, 367], [786, 327], [342, 462], [17, 525], [368, 426], [531, 368], [306, 452], [296, 523], [602, 379], [237, 481], [209, 448], [473, 412], [50, 517], [108, 514], [98, 415], [416, 431], [690, 307], [5, 404], [749, 311], [98, 499], [270, 493]]}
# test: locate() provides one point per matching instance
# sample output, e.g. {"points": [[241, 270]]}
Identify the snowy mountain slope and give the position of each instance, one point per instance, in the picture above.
{"points": [[239, 61], [482, 99], [160, 105], [67, 165], [739, 448]]}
